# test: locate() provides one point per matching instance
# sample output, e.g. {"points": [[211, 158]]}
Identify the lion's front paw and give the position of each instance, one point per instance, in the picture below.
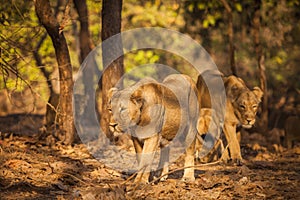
{"points": [[234, 161], [164, 178], [188, 179], [237, 161], [225, 158]]}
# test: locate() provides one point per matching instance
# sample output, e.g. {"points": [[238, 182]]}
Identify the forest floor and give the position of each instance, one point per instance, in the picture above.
{"points": [[31, 169]]}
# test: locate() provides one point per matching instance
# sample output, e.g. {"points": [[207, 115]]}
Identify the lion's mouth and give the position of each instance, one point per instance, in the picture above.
{"points": [[247, 123], [247, 126]]}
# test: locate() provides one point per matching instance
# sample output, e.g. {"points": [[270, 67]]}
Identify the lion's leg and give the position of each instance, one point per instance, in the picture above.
{"points": [[147, 156], [198, 146], [164, 162], [225, 157], [216, 152], [233, 143], [188, 162], [220, 148], [138, 148], [239, 136]]}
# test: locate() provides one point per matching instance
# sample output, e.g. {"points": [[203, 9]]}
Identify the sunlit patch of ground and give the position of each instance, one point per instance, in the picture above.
{"points": [[30, 169]]}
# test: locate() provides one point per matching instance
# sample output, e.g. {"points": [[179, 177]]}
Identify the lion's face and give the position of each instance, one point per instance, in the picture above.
{"points": [[244, 101], [125, 110], [245, 108]]}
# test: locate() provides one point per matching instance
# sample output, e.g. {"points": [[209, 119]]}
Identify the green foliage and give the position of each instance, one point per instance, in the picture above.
{"points": [[238, 7], [135, 64], [207, 12], [18, 36], [140, 58], [13, 11], [280, 41], [148, 13], [94, 13], [138, 14]]}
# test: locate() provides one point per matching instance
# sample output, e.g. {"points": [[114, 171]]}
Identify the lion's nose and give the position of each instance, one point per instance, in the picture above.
{"points": [[112, 126], [249, 121]]}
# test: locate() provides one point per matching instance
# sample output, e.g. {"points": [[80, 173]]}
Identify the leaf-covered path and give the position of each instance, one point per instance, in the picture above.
{"points": [[32, 169]]}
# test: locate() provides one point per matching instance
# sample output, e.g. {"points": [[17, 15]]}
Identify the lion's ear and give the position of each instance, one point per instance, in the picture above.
{"points": [[111, 92], [233, 87], [258, 92], [233, 92], [137, 98]]}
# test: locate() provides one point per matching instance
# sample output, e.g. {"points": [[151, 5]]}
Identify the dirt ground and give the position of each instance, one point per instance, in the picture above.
{"points": [[31, 169]]}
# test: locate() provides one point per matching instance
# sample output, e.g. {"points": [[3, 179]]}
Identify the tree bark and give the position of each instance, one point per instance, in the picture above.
{"points": [[65, 114], [86, 47], [84, 35], [261, 64], [52, 103], [230, 37], [111, 25]]}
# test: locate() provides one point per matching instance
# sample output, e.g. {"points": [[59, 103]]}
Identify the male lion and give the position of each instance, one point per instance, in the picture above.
{"points": [[241, 108], [151, 112]]}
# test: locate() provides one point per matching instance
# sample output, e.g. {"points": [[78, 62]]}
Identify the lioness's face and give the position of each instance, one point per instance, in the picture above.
{"points": [[245, 107], [125, 112]]}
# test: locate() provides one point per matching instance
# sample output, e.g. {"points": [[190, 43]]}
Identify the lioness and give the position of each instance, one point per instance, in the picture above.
{"points": [[241, 108], [151, 111]]}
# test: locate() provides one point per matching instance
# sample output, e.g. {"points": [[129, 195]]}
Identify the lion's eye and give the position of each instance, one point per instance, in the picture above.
{"points": [[109, 108], [254, 106], [121, 109], [242, 107]]}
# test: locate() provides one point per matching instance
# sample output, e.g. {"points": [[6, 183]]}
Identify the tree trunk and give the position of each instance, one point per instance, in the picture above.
{"points": [[84, 35], [111, 25], [261, 64], [85, 48], [52, 103], [230, 37], [65, 114]]}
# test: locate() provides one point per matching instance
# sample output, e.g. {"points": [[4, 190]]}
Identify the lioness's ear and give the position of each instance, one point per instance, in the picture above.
{"points": [[232, 90], [233, 86], [111, 92], [233, 93], [258, 92], [137, 98]]}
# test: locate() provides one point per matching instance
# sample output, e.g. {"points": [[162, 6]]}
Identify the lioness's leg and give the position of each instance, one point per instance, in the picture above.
{"points": [[138, 148], [189, 161], [146, 158], [164, 162], [215, 153], [220, 148], [233, 143], [239, 136]]}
